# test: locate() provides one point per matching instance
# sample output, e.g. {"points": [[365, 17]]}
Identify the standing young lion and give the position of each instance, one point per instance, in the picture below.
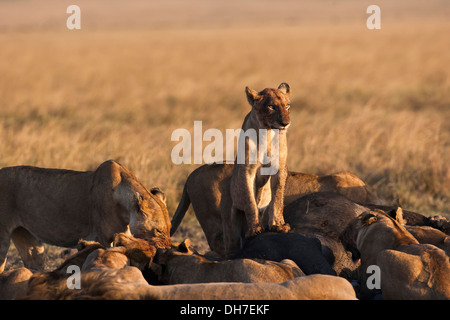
{"points": [[251, 188]]}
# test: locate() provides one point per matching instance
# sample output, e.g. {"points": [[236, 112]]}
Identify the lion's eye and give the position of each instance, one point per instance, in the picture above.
{"points": [[288, 107], [270, 108]]}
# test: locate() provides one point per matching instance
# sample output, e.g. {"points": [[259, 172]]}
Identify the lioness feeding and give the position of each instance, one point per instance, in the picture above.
{"points": [[60, 207], [252, 190], [408, 269]]}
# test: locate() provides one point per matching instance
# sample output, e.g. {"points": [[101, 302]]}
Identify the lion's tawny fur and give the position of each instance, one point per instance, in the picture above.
{"points": [[250, 188], [60, 207], [129, 284]]}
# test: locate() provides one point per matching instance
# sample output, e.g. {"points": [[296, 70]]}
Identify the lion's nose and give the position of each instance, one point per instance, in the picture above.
{"points": [[285, 123]]}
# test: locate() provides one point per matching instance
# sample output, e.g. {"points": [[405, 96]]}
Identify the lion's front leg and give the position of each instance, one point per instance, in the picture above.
{"points": [[244, 206], [250, 207], [275, 209]]}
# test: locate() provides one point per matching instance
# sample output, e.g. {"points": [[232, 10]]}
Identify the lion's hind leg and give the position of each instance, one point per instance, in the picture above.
{"points": [[238, 223], [30, 249]]}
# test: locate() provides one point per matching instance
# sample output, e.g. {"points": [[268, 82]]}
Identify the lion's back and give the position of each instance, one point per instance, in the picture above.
{"points": [[46, 202]]}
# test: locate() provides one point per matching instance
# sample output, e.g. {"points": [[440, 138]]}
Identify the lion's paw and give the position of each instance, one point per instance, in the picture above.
{"points": [[285, 228], [255, 231]]}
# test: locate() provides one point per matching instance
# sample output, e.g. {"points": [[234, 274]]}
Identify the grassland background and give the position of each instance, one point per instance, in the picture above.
{"points": [[374, 102]]}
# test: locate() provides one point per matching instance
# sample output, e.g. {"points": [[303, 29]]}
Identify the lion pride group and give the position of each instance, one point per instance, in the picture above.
{"points": [[285, 236]]}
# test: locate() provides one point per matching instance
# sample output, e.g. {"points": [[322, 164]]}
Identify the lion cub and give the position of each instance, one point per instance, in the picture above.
{"points": [[253, 190]]}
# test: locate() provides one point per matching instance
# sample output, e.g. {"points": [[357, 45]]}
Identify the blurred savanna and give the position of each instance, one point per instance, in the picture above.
{"points": [[373, 102]]}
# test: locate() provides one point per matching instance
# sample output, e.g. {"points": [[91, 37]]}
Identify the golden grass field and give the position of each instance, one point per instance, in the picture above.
{"points": [[374, 102]]}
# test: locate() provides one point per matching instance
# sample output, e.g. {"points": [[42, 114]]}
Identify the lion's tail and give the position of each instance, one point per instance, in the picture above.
{"points": [[182, 208]]}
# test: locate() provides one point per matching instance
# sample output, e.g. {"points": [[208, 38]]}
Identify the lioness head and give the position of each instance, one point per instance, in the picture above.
{"points": [[151, 221], [272, 106], [350, 233], [392, 220]]}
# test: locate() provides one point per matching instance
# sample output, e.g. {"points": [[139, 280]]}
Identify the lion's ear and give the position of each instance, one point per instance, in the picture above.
{"points": [[397, 214], [252, 96], [82, 244], [285, 88], [157, 192], [368, 219], [185, 246]]}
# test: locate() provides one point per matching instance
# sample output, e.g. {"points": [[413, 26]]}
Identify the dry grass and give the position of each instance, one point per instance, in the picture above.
{"points": [[376, 103]]}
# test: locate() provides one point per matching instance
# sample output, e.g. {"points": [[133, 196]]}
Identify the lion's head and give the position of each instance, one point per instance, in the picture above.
{"points": [[151, 219], [390, 230], [272, 106]]}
